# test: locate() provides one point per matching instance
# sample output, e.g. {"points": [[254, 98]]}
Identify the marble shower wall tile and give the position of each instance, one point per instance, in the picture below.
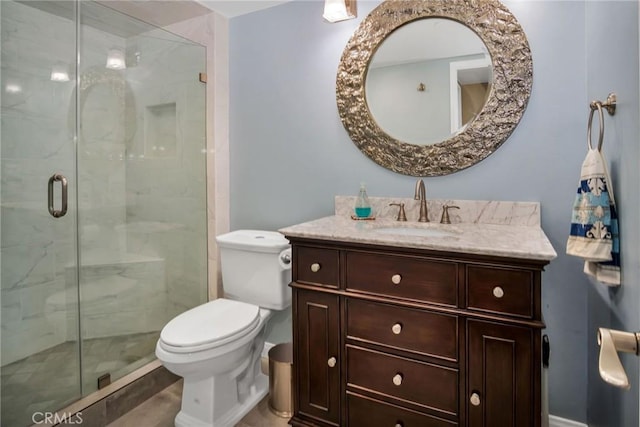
{"points": [[27, 265], [28, 326], [166, 190], [471, 211], [37, 140], [39, 308], [162, 197], [128, 296], [211, 30]]}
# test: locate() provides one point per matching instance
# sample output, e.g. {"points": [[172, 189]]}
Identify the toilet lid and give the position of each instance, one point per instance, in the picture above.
{"points": [[210, 323]]}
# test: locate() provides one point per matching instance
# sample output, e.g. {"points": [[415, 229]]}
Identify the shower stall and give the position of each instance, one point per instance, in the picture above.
{"points": [[102, 196]]}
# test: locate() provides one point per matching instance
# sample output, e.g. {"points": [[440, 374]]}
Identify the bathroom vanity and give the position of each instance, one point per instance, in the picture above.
{"points": [[402, 324], [407, 324]]}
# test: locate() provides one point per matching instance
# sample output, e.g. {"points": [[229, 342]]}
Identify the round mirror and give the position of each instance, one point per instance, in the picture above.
{"points": [[427, 80], [414, 122]]}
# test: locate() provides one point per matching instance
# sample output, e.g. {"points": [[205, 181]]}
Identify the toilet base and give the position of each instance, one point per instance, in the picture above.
{"points": [[259, 390]]}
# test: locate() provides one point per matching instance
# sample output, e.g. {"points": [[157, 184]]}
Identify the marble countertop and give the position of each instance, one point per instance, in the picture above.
{"points": [[504, 240]]}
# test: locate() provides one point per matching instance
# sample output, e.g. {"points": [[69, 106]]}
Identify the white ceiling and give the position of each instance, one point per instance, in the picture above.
{"points": [[231, 8], [428, 39]]}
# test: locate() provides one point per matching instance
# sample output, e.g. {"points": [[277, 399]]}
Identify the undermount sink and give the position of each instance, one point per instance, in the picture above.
{"points": [[416, 231]]}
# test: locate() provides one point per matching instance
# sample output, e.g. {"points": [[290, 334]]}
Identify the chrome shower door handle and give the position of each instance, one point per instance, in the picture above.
{"points": [[63, 207]]}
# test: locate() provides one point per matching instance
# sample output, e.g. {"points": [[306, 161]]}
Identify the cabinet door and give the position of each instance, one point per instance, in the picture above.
{"points": [[500, 388], [317, 351]]}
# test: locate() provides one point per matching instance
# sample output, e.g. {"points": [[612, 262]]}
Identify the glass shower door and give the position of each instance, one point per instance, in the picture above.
{"points": [[114, 109], [39, 357], [141, 188]]}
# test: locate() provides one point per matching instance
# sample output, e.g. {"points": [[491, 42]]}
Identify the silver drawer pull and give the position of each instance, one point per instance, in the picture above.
{"points": [[396, 329], [331, 362], [396, 278], [498, 292], [475, 399], [399, 424], [397, 379], [315, 267]]}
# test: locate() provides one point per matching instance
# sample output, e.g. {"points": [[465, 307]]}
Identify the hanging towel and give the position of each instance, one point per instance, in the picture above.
{"points": [[594, 222]]}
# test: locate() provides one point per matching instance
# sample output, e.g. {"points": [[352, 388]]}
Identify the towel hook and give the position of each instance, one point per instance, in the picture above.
{"points": [[610, 106]]}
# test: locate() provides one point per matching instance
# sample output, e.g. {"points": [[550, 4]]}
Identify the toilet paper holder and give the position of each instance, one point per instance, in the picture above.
{"points": [[612, 341]]}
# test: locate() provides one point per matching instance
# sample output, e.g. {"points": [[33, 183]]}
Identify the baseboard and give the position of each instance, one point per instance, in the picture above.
{"points": [[563, 422]]}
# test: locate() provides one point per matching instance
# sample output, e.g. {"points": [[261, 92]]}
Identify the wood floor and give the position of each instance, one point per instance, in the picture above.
{"points": [[161, 409]]}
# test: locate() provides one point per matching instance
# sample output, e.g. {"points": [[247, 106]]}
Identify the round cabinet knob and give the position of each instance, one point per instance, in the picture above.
{"points": [[396, 278], [331, 362], [397, 379], [315, 267], [399, 424], [498, 292], [396, 329], [475, 399]]}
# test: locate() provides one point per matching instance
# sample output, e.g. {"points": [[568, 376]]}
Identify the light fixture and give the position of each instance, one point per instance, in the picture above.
{"points": [[339, 10], [60, 72], [13, 88], [115, 59]]}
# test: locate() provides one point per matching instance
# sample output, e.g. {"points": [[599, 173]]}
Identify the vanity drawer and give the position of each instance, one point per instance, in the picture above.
{"points": [[422, 384], [500, 290], [412, 278], [368, 412], [317, 266], [418, 331]]}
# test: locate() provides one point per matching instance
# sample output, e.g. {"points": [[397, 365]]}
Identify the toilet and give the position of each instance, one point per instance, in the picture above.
{"points": [[216, 347]]}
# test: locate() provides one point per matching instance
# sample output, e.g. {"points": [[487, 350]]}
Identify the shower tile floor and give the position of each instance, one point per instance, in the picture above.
{"points": [[48, 380]]}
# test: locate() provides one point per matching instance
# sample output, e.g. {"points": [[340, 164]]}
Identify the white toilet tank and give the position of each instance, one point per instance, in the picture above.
{"points": [[256, 267]]}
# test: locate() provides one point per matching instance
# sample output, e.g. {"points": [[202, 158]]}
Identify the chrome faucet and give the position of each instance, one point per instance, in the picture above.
{"points": [[421, 194]]}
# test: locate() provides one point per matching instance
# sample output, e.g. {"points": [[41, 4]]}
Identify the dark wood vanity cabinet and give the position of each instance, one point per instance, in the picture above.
{"points": [[317, 352], [500, 381], [389, 336]]}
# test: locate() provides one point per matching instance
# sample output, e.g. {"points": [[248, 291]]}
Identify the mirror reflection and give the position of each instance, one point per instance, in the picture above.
{"points": [[427, 80]]}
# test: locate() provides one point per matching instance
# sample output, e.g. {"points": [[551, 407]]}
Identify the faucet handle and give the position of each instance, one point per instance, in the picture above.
{"points": [[444, 219], [401, 214]]}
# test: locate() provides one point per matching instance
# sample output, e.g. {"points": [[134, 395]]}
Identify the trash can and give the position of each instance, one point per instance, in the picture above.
{"points": [[280, 380]]}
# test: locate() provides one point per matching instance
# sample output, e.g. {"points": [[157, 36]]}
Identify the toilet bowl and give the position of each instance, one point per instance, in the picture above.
{"points": [[216, 347]]}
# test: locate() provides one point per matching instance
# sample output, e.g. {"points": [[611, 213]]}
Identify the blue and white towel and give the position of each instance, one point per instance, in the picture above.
{"points": [[594, 222]]}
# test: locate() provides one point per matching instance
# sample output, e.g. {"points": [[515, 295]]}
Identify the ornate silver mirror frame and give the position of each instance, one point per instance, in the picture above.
{"points": [[511, 86]]}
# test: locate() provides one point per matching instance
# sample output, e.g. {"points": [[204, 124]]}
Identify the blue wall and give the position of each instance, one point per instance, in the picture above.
{"points": [[612, 66], [290, 155]]}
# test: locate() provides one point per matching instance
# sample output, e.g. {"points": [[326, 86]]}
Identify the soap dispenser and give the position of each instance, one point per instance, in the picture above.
{"points": [[362, 207]]}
